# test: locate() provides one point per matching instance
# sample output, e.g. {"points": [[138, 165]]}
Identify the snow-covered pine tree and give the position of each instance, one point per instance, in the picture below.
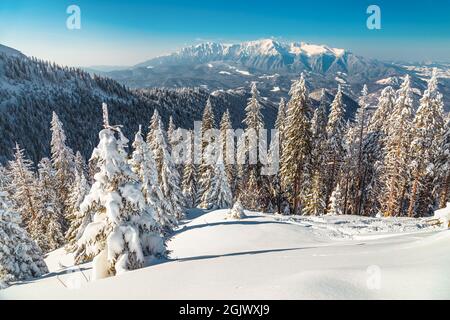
{"points": [[63, 163], [78, 220], [277, 196], [144, 165], [47, 228], [395, 172], [123, 229], [427, 125], [443, 178], [80, 165], [336, 202], [4, 178], [362, 165], [254, 186], [218, 194], [280, 122], [205, 170], [227, 142], [297, 144], [22, 187], [237, 212], [336, 127], [168, 177], [378, 129], [315, 202], [170, 131], [381, 116], [20, 257], [189, 184]]}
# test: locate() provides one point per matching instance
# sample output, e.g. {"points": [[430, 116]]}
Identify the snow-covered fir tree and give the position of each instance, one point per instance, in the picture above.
{"points": [[358, 165], [80, 165], [144, 165], [254, 191], [381, 116], [123, 229], [48, 227], [168, 176], [378, 129], [218, 194], [237, 212], [395, 171], [22, 187], [427, 125], [443, 177], [78, 220], [315, 202], [170, 131], [205, 169], [63, 163], [227, 142], [335, 206], [189, 184], [280, 122], [297, 144], [20, 257], [336, 127]]}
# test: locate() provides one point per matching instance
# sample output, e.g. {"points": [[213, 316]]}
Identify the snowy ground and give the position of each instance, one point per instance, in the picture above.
{"points": [[272, 257]]}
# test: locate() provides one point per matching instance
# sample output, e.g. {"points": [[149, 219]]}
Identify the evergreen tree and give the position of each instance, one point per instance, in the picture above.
{"points": [[170, 131], [254, 191], [380, 120], [218, 194], [205, 170], [78, 220], [443, 178], [168, 177], [280, 122], [63, 163], [297, 144], [428, 124], [20, 257], [189, 183], [395, 172], [22, 187], [227, 142], [362, 165], [80, 165], [378, 130], [123, 229], [335, 206], [143, 164], [237, 212], [47, 228], [315, 203], [336, 127]]}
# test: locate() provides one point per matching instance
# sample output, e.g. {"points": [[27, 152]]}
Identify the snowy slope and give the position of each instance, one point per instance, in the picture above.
{"points": [[270, 257]]}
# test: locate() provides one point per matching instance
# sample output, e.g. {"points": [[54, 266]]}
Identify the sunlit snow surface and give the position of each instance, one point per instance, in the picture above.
{"points": [[272, 257]]}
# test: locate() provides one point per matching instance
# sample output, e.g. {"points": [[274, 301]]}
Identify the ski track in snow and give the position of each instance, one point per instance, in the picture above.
{"points": [[266, 256]]}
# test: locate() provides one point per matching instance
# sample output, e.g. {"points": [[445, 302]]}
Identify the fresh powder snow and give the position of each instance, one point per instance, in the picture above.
{"points": [[264, 256]]}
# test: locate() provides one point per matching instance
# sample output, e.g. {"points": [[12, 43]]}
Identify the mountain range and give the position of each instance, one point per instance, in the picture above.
{"points": [[179, 84], [273, 65]]}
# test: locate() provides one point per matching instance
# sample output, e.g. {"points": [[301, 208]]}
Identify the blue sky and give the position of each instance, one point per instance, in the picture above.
{"points": [[127, 32]]}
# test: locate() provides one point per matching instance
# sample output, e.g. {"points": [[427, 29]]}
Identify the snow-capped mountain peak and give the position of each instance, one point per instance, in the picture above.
{"points": [[250, 50], [313, 49]]}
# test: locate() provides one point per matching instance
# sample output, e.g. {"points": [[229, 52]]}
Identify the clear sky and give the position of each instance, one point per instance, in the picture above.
{"points": [[127, 32]]}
